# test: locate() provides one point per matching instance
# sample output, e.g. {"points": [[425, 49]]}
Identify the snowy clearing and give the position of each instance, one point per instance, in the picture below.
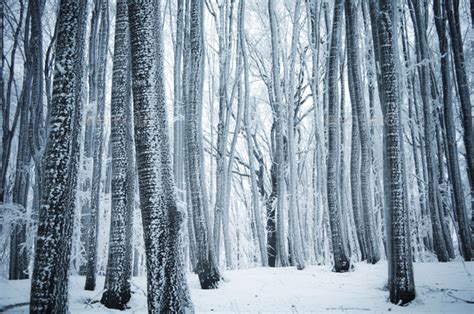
{"points": [[441, 288]]}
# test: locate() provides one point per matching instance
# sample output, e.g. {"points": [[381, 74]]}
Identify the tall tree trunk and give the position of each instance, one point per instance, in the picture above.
{"points": [[119, 264], [281, 251], [18, 253], [341, 260], [450, 134], [357, 97], [400, 266], [452, 12], [98, 144], [206, 268], [256, 204], [294, 222], [166, 281], [422, 54], [49, 288]]}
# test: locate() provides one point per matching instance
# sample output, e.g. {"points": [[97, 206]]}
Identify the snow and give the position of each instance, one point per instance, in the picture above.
{"points": [[441, 288]]}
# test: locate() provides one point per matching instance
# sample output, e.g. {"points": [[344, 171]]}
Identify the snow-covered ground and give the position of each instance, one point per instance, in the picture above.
{"points": [[441, 288]]}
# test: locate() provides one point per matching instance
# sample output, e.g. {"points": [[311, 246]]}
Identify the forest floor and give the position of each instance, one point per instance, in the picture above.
{"points": [[440, 287]]}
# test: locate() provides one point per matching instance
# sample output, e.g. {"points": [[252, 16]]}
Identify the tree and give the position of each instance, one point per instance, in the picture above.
{"points": [[166, 282], [452, 12], [250, 143], [341, 261], [99, 71], [359, 111], [52, 250], [119, 265], [400, 266], [206, 268], [281, 251], [450, 134], [429, 133], [294, 223]]}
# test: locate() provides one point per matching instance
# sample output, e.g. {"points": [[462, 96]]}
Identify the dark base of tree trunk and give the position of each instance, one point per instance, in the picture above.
{"points": [[342, 266], [373, 260], [90, 285], [209, 278], [402, 297], [115, 300]]}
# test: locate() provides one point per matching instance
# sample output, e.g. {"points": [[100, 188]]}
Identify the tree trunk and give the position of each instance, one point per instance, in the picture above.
{"points": [[281, 251], [373, 254], [119, 264], [102, 6], [166, 281], [452, 12], [450, 134], [400, 266], [341, 260], [206, 268], [49, 288]]}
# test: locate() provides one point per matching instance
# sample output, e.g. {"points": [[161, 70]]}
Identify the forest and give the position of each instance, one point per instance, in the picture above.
{"points": [[181, 156]]}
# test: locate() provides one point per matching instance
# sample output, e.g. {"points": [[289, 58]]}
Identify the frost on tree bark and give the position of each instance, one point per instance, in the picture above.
{"points": [[400, 266], [452, 12], [422, 54], [450, 134], [294, 222], [18, 252], [341, 260], [98, 144], [119, 264], [256, 204], [178, 124], [49, 285], [162, 221], [102, 6], [359, 110], [206, 268], [225, 42], [281, 252]]}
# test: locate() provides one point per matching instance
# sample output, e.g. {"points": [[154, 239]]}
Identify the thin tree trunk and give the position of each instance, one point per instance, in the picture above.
{"points": [[281, 251], [450, 134], [341, 260], [98, 144]]}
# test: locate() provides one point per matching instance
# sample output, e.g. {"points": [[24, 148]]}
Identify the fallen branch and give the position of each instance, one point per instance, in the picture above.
{"points": [[12, 306], [459, 299]]}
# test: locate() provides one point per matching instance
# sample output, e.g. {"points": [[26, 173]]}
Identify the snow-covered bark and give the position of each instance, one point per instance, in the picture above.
{"points": [[206, 268], [166, 282], [282, 255], [178, 126], [450, 134], [400, 266], [319, 168], [18, 254], [119, 265], [341, 260], [49, 285], [452, 12], [422, 54], [294, 222], [360, 111], [99, 71], [256, 201]]}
